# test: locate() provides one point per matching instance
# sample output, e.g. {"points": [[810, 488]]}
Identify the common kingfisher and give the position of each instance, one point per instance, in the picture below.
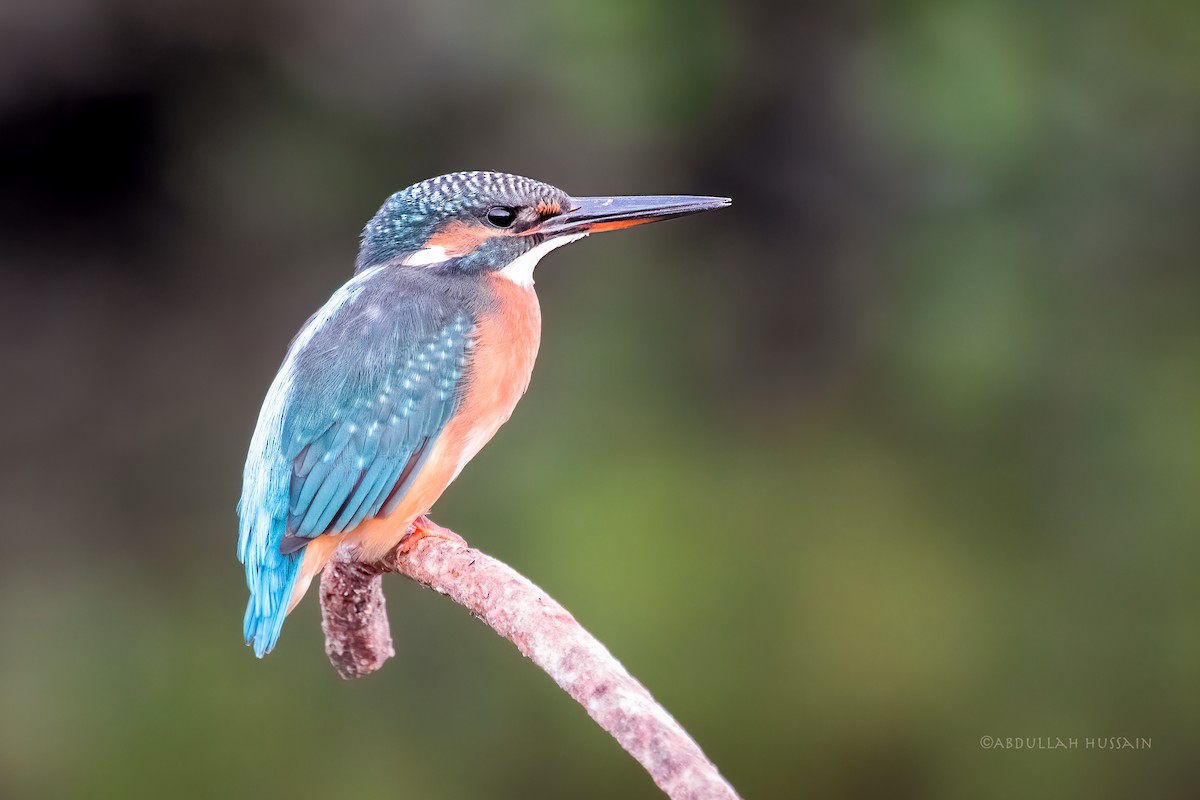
{"points": [[405, 373]]}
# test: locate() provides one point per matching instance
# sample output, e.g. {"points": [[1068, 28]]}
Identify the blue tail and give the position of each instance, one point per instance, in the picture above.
{"points": [[271, 583]]}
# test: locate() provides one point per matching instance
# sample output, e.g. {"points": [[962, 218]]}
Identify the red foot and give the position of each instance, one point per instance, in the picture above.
{"points": [[422, 527]]}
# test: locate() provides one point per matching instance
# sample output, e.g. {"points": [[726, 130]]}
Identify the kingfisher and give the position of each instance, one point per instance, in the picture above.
{"points": [[407, 371]]}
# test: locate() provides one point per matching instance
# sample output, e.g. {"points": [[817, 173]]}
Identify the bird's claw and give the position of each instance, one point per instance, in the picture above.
{"points": [[423, 527]]}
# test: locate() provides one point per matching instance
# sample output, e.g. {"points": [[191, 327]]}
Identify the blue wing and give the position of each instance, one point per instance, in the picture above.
{"points": [[367, 386], [356, 446]]}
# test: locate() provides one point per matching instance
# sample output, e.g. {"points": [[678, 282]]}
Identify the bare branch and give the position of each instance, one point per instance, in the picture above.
{"points": [[354, 616], [357, 641]]}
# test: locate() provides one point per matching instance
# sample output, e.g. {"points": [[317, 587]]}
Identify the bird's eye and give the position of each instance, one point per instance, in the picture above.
{"points": [[501, 217]]}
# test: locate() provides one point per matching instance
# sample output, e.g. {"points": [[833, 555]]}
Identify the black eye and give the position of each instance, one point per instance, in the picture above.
{"points": [[501, 217]]}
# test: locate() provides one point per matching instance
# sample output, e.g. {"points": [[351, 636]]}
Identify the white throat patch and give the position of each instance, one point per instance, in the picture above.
{"points": [[520, 271]]}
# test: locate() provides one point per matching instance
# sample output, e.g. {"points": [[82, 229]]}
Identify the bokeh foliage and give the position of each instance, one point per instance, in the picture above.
{"points": [[898, 452]]}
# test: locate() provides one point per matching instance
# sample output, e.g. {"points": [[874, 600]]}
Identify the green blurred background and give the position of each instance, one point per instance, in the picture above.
{"points": [[898, 452]]}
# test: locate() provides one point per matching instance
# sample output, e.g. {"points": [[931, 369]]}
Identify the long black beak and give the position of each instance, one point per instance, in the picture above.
{"points": [[596, 214]]}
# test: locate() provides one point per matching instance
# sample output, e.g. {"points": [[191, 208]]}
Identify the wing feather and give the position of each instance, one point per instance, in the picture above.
{"points": [[366, 389], [369, 391], [375, 432]]}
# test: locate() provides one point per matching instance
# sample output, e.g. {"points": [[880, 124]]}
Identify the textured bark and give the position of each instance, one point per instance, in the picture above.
{"points": [[358, 642], [354, 616]]}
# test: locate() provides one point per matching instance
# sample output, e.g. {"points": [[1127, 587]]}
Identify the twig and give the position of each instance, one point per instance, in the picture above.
{"points": [[357, 640], [354, 616]]}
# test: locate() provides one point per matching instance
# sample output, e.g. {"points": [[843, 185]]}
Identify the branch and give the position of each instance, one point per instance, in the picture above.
{"points": [[357, 641]]}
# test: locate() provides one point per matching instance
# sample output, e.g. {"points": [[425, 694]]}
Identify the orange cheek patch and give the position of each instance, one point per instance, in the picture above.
{"points": [[458, 238]]}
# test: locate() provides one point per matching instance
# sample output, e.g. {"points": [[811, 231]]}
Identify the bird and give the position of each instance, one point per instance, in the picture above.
{"points": [[405, 373]]}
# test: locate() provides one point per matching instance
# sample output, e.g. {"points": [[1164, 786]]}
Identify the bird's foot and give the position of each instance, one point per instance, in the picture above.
{"points": [[422, 527]]}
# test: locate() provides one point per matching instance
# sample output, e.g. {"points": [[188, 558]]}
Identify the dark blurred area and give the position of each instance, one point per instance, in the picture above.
{"points": [[900, 451]]}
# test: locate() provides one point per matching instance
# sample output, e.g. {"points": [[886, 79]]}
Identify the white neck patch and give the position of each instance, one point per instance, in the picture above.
{"points": [[426, 257], [520, 271]]}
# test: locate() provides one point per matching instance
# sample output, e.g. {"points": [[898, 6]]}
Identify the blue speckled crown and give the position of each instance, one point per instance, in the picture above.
{"points": [[408, 218], [460, 191]]}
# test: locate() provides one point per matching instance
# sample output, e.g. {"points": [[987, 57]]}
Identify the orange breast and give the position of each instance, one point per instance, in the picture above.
{"points": [[506, 346]]}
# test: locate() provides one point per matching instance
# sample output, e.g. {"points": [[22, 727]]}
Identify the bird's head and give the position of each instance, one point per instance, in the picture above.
{"points": [[478, 222]]}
